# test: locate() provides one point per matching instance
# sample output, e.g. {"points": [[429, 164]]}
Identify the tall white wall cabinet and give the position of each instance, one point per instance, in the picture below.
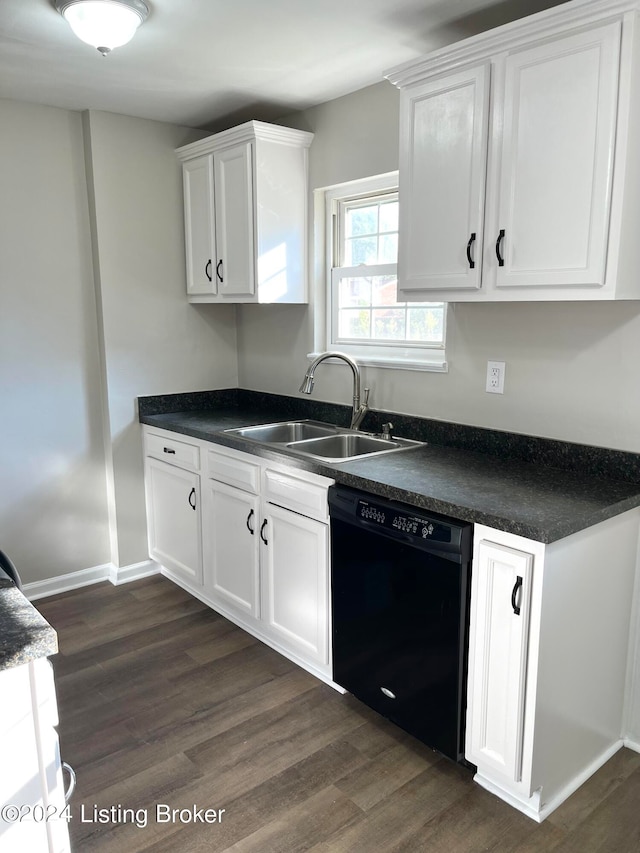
{"points": [[519, 178], [245, 210]]}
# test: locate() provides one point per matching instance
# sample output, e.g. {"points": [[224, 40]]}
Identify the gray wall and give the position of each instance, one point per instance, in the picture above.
{"points": [[571, 368], [154, 341], [92, 314], [53, 509]]}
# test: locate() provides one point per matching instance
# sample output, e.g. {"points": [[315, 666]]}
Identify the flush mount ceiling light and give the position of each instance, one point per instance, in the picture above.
{"points": [[105, 24]]}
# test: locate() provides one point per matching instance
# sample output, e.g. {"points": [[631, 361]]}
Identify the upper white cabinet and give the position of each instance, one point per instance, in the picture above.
{"points": [[245, 199], [235, 273], [197, 178], [443, 173], [515, 182]]}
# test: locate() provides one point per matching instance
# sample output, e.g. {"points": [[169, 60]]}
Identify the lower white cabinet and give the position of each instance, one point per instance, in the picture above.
{"points": [[232, 576], [548, 642], [173, 498], [501, 605], [295, 573], [266, 547], [256, 549], [174, 516], [31, 771]]}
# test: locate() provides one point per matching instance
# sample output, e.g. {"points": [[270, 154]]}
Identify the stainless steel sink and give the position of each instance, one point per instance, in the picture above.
{"points": [[349, 445], [286, 432], [319, 440]]}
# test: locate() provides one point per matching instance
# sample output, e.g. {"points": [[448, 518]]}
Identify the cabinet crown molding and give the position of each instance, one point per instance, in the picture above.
{"points": [[547, 23], [245, 133]]}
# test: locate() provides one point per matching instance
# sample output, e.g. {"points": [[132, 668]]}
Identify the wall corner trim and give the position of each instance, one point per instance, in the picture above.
{"points": [[86, 577], [632, 744]]}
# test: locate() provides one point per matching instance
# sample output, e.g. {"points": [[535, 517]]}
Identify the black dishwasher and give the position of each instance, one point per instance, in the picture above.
{"points": [[400, 588]]}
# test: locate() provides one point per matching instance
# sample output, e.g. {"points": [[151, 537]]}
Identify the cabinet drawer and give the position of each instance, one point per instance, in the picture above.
{"points": [[232, 468], [296, 494], [176, 452]]}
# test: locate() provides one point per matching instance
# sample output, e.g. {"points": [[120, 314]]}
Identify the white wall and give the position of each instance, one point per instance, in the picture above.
{"points": [[53, 510], [571, 369], [92, 315], [155, 342]]}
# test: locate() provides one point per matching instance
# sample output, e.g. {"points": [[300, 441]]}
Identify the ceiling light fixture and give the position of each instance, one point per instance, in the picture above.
{"points": [[105, 24]]}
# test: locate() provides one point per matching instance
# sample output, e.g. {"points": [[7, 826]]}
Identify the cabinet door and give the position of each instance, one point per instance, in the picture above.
{"points": [[21, 780], [443, 148], [554, 193], [231, 549], [199, 226], [500, 597], [295, 567], [235, 267], [173, 502]]}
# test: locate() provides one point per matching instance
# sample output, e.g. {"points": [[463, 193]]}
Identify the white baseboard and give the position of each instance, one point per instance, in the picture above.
{"points": [[126, 574], [63, 583], [632, 744], [86, 577], [534, 807]]}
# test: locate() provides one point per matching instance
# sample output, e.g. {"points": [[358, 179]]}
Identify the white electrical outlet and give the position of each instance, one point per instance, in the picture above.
{"points": [[495, 377]]}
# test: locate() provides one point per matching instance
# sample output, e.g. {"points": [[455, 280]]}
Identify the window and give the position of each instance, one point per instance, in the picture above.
{"points": [[363, 316]]}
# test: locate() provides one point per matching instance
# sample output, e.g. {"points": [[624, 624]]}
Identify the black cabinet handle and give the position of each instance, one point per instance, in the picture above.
{"points": [[218, 273], [514, 592], [207, 270], [264, 524], [472, 263], [169, 450], [498, 246], [249, 527], [192, 494]]}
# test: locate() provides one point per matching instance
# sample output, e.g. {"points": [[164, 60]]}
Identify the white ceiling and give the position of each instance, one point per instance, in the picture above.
{"points": [[213, 63]]}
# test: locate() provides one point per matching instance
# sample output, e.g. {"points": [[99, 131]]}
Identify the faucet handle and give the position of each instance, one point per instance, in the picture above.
{"points": [[365, 396]]}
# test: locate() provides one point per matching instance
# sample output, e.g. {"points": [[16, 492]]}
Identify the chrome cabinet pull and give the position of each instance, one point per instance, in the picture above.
{"points": [[514, 593], [72, 781], [249, 527], [192, 494], [262, 536], [472, 263], [498, 247]]}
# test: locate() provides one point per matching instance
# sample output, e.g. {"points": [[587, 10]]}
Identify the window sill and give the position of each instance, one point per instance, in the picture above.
{"points": [[433, 365]]}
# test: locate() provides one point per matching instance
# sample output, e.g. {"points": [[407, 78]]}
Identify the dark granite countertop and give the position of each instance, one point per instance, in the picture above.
{"points": [[499, 489], [25, 635]]}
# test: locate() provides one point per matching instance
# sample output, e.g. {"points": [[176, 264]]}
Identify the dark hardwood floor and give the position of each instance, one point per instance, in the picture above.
{"points": [[162, 701]]}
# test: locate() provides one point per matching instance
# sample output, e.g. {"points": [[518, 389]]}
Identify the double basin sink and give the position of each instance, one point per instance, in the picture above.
{"points": [[323, 441]]}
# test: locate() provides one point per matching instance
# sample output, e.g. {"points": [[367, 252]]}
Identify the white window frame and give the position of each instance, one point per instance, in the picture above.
{"points": [[403, 356]]}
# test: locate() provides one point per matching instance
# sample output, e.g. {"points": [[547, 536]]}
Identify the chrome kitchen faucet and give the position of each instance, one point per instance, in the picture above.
{"points": [[359, 410]]}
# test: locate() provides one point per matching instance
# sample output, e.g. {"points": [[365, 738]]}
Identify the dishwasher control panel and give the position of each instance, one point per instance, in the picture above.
{"points": [[413, 525]]}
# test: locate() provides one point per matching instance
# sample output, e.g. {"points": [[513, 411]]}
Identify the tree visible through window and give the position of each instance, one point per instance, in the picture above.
{"points": [[364, 311]]}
